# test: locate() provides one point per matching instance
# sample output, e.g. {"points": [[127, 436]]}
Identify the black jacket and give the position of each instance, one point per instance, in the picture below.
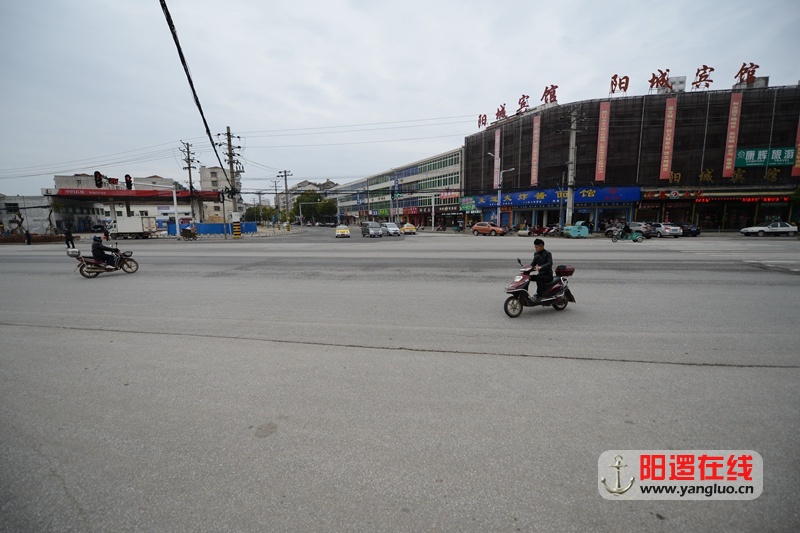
{"points": [[98, 249], [543, 259]]}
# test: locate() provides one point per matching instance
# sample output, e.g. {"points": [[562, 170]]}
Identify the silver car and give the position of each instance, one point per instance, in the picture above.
{"points": [[390, 229], [667, 230], [371, 229]]}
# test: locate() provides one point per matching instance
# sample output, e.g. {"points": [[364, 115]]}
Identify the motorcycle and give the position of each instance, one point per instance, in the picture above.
{"points": [[556, 293], [91, 268]]}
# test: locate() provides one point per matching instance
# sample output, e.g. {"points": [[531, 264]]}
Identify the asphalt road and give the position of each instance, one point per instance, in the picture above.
{"points": [[302, 383]]}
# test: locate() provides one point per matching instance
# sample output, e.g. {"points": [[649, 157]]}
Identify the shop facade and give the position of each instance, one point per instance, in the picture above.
{"points": [[726, 209], [546, 207]]}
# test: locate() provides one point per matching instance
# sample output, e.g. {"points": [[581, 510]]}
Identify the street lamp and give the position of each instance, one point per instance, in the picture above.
{"points": [[499, 184], [174, 188]]}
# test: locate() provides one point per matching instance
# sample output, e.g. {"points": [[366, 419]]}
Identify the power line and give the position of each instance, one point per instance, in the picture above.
{"points": [[174, 33]]}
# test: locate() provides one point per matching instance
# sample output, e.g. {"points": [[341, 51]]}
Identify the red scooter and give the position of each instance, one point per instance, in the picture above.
{"points": [[556, 293]]}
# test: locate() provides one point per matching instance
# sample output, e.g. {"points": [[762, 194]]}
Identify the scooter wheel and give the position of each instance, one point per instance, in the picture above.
{"points": [[640, 239], [130, 266], [87, 273], [614, 238], [513, 306], [560, 305]]}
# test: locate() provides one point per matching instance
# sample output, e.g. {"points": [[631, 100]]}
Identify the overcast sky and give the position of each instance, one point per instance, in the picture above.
{"points": [[335, 89]]}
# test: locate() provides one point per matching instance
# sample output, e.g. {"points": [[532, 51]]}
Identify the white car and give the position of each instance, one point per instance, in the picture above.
{"points": [[390, 229], [773, 228], [668, 230]]}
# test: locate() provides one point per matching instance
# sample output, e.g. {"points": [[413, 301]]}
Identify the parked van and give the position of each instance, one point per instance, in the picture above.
{"points": [[371, 229]]}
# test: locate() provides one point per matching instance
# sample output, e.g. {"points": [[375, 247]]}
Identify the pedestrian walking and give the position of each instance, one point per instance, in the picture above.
{"points": [[27, 236], [68, 238]]}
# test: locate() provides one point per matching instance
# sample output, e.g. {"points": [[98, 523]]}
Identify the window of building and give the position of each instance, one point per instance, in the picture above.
{"points": [[216, 208]]}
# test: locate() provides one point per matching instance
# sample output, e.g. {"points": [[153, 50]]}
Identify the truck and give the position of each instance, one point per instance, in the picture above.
{"points": [[132, 228]]}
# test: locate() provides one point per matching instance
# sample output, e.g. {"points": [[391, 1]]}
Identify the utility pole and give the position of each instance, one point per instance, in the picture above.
{"points": [[573, 132], [232, 191], [285, 174], [189, 160], [277, 200], [259, 193], [232, 176]]}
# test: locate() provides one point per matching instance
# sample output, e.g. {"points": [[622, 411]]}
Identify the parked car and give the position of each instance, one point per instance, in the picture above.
{"points": [[645, 228], [773, 228], [98, 228], [667, 230], [487, 228], [689, 230], [390, 228], [408, 229], [342, 231], [371, 229]]}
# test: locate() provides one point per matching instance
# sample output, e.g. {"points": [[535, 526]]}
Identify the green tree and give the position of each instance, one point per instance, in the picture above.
{"points": [[309, 199], [327, 208]]}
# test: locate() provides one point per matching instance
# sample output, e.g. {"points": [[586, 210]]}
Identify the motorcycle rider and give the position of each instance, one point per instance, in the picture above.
{"points": [[99, 249], [543, 264]]}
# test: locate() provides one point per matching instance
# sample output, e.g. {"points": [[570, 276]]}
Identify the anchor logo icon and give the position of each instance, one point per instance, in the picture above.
{"points": [[619, 489]]}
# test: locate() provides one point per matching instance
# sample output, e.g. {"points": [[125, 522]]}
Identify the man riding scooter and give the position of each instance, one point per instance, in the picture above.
{"points": [[99, 252], [543, 264]]}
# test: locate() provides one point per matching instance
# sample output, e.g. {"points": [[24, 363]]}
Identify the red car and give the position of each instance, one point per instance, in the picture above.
{"points": [[487, 228]]}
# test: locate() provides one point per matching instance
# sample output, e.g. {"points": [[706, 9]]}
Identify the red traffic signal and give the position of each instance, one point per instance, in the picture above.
{"points": [[98, 179]]}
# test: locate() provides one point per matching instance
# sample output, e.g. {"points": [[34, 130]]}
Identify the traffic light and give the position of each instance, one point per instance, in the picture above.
{"points": [[128, 182], [98, 179]]}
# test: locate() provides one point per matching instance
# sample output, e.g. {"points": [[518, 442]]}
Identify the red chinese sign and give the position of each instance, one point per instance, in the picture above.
{"points": [[602, 141], [688, 467], [481, 121], [732, 138], [701, 77], [796, 167], [549, 94], [620, 83], [537, 124], [747, 74], [523, 103], [661, 81], [669, 138], [501, 112], [497, 158]]}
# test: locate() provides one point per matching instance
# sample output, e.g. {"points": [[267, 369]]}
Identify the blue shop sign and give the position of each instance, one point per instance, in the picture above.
{"points": [[555, 197]]}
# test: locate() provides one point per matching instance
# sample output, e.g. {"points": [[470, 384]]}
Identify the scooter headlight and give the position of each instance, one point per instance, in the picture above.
{"points": [[517, 278]]}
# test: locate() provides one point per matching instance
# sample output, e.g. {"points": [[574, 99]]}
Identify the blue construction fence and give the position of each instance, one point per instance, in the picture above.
{"points": [[213, 229]]}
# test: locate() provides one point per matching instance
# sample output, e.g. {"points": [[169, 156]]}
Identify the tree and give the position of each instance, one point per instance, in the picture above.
{"points": [[309, 199], [327, 208]]}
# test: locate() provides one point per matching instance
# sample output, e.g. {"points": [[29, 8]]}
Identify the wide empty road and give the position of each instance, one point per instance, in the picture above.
{"points": [[302, 383]]}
